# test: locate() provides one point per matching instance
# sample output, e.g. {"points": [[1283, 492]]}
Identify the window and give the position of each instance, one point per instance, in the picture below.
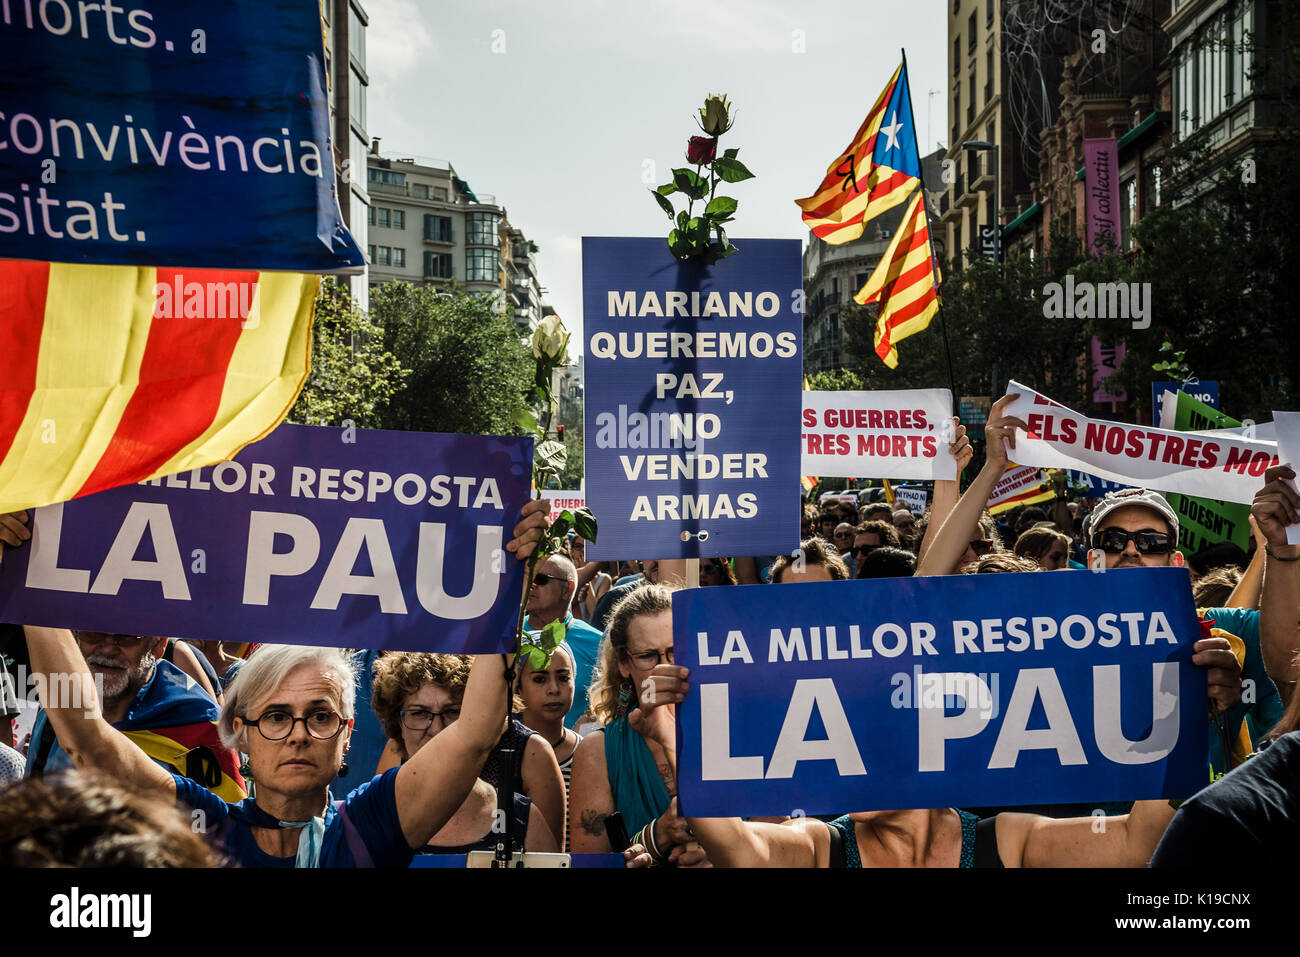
{"points": [[956, 55], [370, 253], [970, 107], [956, 114], [440, 194], [437, 266], [419, 190], [835, 289], [481, 265], [970, 31], [1128, 213], [437, 228], [399, 257], [399, 219], [356, 99], [988, 73], [988, 13], [356, 37], [379, 216], [483, 230], [386, 176], [381, 255]]}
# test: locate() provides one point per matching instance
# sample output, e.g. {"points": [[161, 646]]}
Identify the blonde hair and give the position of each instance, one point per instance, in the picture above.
{"points": [[611, 694]]}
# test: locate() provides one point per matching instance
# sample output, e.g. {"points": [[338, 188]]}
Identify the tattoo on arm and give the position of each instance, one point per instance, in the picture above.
{"points": [[593, 822]]}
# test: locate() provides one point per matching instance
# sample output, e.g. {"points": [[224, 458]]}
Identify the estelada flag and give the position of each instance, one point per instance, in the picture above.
{"points": [[905, 283], [117, 374], [874, 173]]}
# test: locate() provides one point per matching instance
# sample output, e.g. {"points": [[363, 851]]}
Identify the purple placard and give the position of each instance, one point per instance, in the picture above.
{"points": [[353, 538], [1105, 363], [1101, 176]]}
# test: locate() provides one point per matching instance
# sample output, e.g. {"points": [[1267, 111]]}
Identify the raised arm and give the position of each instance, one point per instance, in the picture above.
{"points": [[947, 491], [71, 701], [1127, 840], [1247, 592], [954, 537], [1277, 506]]}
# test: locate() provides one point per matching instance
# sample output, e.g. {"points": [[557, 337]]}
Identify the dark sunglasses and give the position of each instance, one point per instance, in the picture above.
{"points": [[981, 546], [1147, 541], [866, 549], [539, 579]]}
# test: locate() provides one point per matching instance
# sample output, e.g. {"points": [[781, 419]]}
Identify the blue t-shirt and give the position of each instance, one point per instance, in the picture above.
{"points": [[584, 641], [1266, 709], [372, 808]]}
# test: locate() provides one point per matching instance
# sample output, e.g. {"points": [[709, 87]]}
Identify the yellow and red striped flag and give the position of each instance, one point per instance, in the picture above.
{"points": [[874, 173], [905, 283], [809, 482], [116, 374]]}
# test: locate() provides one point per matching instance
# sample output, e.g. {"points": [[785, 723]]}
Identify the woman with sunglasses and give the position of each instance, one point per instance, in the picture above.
{"points": [[290, 710], [717, 571], [418, 697], [624, 767]]}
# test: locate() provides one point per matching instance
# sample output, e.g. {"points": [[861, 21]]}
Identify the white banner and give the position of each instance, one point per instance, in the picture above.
{"points": [[1015, 482], [1288, 442], [561, 499], [1222, 467], [914, 498], [893, 435]]}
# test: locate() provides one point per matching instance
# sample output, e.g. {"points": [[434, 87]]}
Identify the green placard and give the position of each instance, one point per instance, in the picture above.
{"points": [[1205, 521]]}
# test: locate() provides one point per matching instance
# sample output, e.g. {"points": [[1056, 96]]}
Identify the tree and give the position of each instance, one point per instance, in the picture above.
{"points": [[470, 372], [571, 477], [352, 375]]}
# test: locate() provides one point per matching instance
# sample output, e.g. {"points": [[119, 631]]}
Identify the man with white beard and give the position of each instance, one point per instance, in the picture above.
{"points": [[155, 704]]}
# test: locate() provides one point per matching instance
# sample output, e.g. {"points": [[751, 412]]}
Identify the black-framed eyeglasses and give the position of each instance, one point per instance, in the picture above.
{"points": [[1148, 541], [99, 638], [646, 660], [278, 725], [420, 719]]}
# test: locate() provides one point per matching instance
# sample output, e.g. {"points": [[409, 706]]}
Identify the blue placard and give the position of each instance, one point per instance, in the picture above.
{"points": [[860, 723], [1207, 392], [343, 537], [693, 377], [191, 133], [1091, 486]]}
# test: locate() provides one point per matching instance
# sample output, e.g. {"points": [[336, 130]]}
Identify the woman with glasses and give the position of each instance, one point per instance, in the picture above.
{"points": [[290, 710], [623, 767], [416, 698]]}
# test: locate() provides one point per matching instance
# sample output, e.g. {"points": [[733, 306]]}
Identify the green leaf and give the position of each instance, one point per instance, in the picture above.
{"points": [[584, 523], [552, 635], [682, 219], [666, 206], [697, 231], [537, 659], [731, 170], [525, 419], [551, 455], [690, 183], [731, 153], [667, 189], [721, 208], [560, 527], [677, 245]]}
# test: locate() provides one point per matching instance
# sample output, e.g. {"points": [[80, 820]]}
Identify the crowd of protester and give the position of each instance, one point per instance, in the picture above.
{"points": [[297, 756]]}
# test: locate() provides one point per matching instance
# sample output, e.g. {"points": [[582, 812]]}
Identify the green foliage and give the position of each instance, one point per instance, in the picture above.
{"points": [[470, 372], [353, 376], [571, 475]]}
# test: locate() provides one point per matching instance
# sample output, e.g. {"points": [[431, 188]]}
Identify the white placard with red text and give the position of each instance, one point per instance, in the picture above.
{"points": [[1014, 482], [562, 499], [894, 435], [1223, 467], [1288, 441]]}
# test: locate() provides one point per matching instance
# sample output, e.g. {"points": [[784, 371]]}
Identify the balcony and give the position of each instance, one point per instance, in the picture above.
{"points": [[376, 187]]}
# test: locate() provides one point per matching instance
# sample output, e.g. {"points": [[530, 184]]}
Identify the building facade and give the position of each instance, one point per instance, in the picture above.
{"points": [[345, 23]]}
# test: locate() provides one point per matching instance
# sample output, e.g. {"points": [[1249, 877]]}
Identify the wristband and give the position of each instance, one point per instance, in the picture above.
{"points": [[654, 846], [1268, 547]]}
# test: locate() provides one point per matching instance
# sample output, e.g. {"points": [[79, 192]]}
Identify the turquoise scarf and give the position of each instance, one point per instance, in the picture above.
{"points": [[639, 791]]}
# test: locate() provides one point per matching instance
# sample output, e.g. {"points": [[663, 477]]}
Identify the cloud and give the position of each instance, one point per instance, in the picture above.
{"points": [[397, 40]]}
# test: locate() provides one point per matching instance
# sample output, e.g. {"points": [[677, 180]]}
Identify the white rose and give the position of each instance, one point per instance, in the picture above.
{"points": [[550, 339]]}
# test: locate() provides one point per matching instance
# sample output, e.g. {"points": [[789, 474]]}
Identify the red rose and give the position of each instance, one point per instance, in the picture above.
{"points": [[701, 149]]}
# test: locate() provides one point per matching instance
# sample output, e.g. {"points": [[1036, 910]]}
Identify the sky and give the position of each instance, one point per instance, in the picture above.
{"points": [[568, 110]]}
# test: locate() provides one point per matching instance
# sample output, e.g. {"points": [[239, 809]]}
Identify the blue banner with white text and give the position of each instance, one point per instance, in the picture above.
{"points": [[189, 133], [955, 691], [693, 396], [351, 538]]}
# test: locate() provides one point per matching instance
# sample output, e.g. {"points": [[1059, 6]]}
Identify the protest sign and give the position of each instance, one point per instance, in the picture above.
{"points": [[692, 397], [896, 435], [1105, 363], [312, 536], [1022, 485], [974, 413], [1220, 467], [914, 498], [1288, 441], [1207, 392], [953, 691], [1203, 522], [562, 499], [1091, 486], [193, 133]]}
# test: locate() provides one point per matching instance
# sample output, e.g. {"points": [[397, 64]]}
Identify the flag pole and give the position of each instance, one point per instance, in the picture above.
{"points": [[920, 163]]}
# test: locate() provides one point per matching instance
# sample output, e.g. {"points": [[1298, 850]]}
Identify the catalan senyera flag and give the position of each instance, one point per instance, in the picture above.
{"points": [[807, 482], [905, 283], [875, 172], [116, 374]]}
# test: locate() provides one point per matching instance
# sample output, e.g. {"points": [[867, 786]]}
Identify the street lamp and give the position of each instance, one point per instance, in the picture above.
{"points": [[979, 146]]}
